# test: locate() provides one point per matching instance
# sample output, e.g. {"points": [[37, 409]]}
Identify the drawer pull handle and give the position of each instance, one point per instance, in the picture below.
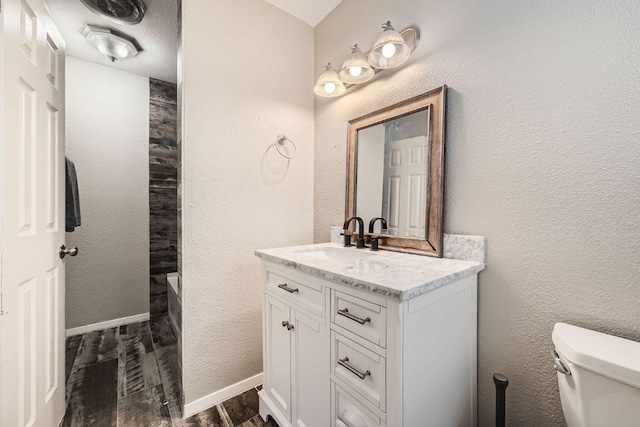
{"points": [[288, 289], [287, 325], [345, 364], [345, 312]]}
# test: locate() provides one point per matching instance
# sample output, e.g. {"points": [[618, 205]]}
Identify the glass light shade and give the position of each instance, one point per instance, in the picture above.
{"points": [[355, 68], [113, 44], [390, 49], [329, 84]]}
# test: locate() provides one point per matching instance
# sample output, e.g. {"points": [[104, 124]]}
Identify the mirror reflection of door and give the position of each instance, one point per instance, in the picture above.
{"points": [[392, 174], [403, 192]]}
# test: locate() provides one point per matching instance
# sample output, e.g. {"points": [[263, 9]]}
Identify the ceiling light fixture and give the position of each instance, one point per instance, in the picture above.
{"points": [[391, 49], [113, 44]]}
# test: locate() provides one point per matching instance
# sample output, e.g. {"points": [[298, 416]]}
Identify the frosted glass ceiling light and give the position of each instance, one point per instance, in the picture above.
{"points": [[356, 68], [390, 49], [111, 43], [329, 85]]}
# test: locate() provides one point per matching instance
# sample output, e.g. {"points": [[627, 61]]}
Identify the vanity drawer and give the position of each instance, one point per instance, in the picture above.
{"points": [[346, 411], [361, 317], [308, 296], [360, 368]]}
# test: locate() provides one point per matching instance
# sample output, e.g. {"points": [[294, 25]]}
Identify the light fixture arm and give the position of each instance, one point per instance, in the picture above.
{"points": [[412, 37]]}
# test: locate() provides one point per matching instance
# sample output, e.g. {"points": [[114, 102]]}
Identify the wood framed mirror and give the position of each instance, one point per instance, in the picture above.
{"points": [[395, 170]]}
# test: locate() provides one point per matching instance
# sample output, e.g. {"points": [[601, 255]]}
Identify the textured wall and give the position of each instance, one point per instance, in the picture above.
{"points": [[238, 193], [163, 191], [542, 157], [108, 140]]}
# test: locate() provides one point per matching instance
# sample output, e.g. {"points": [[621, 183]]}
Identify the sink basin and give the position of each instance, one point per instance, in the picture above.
{"points": [[337, 254]]}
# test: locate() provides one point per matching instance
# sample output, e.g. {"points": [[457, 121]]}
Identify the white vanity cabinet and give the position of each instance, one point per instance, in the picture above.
{"points": [[295, 360], [339, 354]]}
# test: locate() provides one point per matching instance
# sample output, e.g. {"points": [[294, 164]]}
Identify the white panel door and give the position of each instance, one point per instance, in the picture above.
{"points": [[32, 216], [278, 354], [311, 388], [404, 192]]}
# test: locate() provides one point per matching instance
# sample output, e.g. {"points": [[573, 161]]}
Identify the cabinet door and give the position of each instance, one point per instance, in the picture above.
{"points": [[278, 355], [310, 372]]}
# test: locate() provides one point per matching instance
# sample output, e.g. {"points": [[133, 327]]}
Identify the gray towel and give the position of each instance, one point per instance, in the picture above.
{"points": [[72, 197]]}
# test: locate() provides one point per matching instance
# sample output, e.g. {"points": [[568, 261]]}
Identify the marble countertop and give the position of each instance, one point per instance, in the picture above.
{"points": [[391, 274]]}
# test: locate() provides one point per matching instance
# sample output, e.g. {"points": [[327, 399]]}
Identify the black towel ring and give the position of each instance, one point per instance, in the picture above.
{"points": [[281, 143]]}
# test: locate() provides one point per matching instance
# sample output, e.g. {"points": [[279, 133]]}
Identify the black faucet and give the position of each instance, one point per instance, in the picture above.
{"points": [[347, 237], [375, 243], [383, 223], [375, 239]]}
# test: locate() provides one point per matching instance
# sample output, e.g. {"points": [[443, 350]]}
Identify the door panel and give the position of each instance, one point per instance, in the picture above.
{"points": [[278, 349], [27, 352], [53, 63], [28, 31], [52, 324], [310, 371], [53, 174], [27, 159], [392, 208], [32, 187]]}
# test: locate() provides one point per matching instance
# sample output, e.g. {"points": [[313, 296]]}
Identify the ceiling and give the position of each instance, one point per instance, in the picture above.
{"points": [[310, 11], [157, 34]]}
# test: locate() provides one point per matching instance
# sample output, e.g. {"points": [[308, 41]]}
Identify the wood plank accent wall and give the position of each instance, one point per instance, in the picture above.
{"points": [[163, 188]]}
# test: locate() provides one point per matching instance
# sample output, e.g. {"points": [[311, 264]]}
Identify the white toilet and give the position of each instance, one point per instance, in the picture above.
{"points": [[598, 376]]}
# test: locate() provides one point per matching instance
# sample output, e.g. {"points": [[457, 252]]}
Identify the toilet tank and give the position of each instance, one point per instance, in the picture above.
{"points": [[602, 387]]}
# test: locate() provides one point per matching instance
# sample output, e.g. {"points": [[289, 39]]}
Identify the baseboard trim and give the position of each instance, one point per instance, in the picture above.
{"points": [[220, 396], [107, 324]]}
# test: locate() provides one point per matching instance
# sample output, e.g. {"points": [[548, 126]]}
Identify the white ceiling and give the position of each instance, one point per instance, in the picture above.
{"points": [[310, 11], [157, 34]]}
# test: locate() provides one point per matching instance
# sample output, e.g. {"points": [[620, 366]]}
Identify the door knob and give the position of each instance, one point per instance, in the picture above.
{"points": [[287, 325], [72, 251]]}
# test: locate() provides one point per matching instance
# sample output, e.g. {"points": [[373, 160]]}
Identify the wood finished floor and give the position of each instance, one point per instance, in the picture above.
{"points": [[127, 376]]}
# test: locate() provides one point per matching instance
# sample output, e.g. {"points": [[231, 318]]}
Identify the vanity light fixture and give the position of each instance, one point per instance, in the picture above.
{"points": [[329, 85], [113, 44], [391, 49], [356, 68]]}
